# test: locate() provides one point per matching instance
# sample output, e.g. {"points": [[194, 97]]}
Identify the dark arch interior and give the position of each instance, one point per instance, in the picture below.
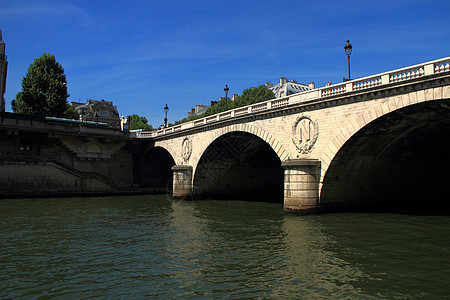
{"points": [[239, 165], [154, 170], [399, 162]]}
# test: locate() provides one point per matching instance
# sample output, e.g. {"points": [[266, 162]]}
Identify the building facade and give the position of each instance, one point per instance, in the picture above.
{"points": [[3, 69], [200, 109], [286, 88], [98, 111]]}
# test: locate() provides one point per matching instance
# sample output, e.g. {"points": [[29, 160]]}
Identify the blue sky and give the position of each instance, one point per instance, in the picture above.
{"points": [[144, 54]]}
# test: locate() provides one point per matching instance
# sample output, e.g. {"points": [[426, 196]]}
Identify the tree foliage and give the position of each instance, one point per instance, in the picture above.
{"points": [[248, 97], [137, 122], [44, 90], [254, 95], [71, 112]]}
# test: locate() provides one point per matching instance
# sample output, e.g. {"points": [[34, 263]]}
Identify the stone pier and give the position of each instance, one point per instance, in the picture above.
{"points": [[301, 185], [182, 181]]}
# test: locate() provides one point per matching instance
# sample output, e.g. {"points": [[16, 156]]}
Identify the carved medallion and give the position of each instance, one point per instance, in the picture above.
{"points": [[186, 149], [304, 134]]}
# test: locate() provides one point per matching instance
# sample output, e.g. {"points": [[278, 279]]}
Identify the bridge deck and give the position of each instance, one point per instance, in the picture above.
{"points": [[379, 80]]}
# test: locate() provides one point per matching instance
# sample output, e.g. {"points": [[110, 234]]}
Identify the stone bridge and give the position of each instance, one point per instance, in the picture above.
{"points": [[377, 140]]}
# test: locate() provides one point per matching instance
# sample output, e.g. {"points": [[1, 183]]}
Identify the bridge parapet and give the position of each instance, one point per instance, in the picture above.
{"points": [[360, 84], [18, 122]]}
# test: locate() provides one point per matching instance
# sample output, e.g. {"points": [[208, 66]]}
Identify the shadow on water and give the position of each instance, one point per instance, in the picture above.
{"points": [[254, 250], [400, 255], [396, 207], [154, 246], [342, 255]]}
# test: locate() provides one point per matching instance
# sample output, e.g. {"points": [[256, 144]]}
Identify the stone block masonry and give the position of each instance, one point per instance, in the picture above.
{"points": [[307, 131]]}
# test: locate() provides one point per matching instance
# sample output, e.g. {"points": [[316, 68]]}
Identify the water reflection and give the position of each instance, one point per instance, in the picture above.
{"points": [[402, 256], [260, 251], [151, 246], [312, 259]]}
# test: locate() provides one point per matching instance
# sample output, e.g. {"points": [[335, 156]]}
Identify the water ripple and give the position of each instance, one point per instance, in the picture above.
{"points": [[149, 246]]}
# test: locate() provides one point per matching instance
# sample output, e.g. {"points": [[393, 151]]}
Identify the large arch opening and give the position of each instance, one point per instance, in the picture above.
{"points": [[399, 162], [239, 165], [154, 170]]}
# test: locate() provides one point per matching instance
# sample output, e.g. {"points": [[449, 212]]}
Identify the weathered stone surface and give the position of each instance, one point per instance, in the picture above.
{"points": [[40, 157], [308, 133], [301, 184], [339, 117], [182, 181]]}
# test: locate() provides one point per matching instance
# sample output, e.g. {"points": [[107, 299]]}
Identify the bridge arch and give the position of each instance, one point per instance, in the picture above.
{"points": [[390, 156], [153, 169], [377, 111], [259, 132], [239, 165], [169, 148], [346, 114]]}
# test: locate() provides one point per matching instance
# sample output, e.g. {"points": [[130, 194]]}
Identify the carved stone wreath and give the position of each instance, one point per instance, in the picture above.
{"points": [[304, 134], [186, 149]]}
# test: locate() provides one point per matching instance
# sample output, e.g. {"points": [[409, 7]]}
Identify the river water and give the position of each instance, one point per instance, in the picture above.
{"points": [[151, 246]]}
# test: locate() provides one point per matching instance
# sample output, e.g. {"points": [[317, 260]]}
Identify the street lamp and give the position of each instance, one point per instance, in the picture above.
{"points": [[96, 116], [166, 109], [226, 89], [348, 50]]}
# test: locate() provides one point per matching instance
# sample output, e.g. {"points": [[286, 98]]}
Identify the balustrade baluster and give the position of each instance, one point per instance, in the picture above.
{"points": [[385, 78]]}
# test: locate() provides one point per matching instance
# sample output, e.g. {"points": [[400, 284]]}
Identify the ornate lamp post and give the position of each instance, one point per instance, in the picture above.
{"points": [[226, 89], [96, 116], [348, 50], [166, 110], [83, 115]]}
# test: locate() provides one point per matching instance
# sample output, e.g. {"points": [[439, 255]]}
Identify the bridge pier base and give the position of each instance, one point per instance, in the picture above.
{"points": [[301, 185], [182, 181]]}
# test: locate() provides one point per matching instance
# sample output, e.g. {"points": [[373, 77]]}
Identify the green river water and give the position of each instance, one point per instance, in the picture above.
{"points": [[140, 247]]}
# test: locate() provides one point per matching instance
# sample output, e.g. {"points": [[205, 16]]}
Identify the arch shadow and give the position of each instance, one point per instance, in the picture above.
{"points": [[265, 136], [239, 165], [154, 170], [398, 162]]}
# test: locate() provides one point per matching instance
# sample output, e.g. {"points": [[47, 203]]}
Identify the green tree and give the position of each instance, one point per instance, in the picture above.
{"points": [[254, 95], [137, 122], [71, 112], [44, 90], [249, 96]]}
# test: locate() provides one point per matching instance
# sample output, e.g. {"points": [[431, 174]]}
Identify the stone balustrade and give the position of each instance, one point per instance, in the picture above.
{"points": [[366, 83], [407, 74], [225, 115], [395, 76], [241, 111], [280, 102], [442, 66], [212, 119], [259, 106]]}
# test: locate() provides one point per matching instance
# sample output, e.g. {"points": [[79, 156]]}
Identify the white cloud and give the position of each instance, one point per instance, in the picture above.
{"points": [[42, 9]]}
